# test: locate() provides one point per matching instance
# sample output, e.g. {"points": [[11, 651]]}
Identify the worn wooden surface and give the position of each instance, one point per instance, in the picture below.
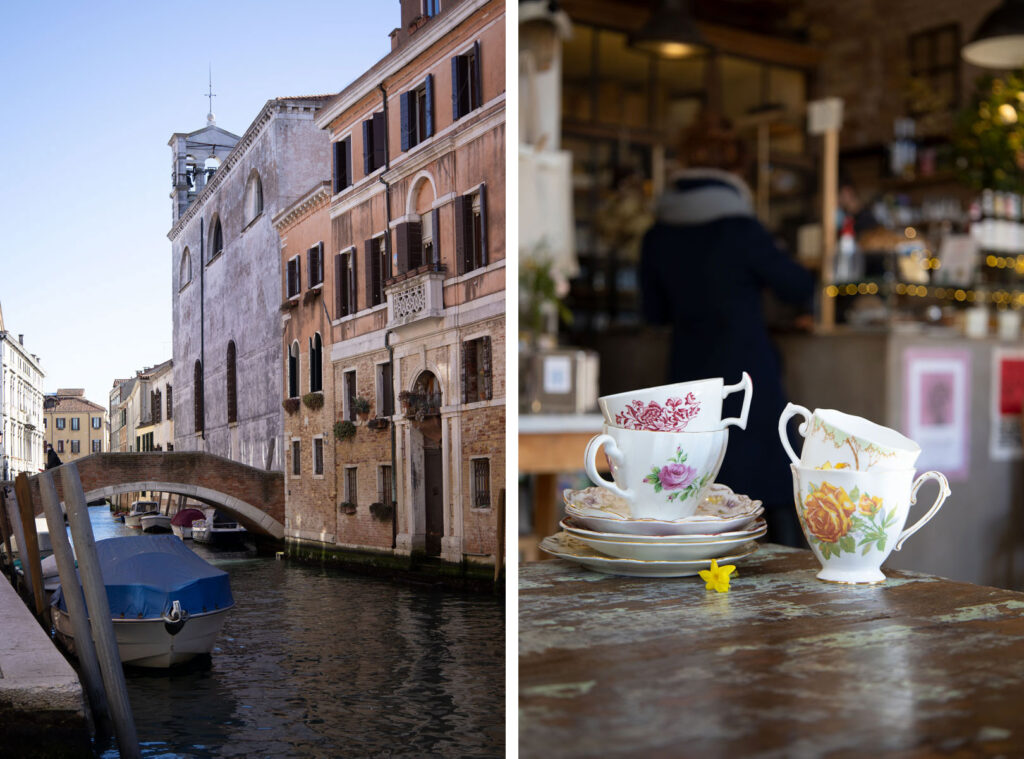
{"points": [[782, 665]]}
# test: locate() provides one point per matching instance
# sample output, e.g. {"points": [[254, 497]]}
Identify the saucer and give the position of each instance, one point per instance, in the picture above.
{"points": [[754, 530], [721, 511], [641, 548], [565, 546]]}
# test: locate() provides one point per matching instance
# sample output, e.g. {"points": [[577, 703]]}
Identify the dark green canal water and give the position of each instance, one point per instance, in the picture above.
{"points": [[318, 663]]}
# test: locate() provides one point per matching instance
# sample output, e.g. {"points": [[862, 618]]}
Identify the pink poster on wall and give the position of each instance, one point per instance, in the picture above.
{"points": [[1007, 400], [936, 408]]}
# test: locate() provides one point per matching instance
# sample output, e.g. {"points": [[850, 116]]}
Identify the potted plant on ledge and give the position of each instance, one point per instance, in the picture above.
{"points": [[291, 405], [344, 430], [347, 507], [382, 512], [313, 401], [362, 407]]}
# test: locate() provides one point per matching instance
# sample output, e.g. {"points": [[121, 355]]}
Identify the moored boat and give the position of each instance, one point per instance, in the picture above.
{"points": [[134, 516], [181, 523], [218, 530], [168, 605], [156, 523]]}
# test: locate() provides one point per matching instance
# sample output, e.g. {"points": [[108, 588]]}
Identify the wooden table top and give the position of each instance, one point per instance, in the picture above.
{"points": [[783, 665]]}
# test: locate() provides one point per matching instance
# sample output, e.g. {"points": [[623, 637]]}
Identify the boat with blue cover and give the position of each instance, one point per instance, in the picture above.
{"points": [[168, 605]]}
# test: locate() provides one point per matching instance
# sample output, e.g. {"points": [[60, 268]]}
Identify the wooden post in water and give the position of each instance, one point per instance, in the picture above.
{"points": [[85, 649], [5, 527], [99, 612], [30, 551], [14, 520]]}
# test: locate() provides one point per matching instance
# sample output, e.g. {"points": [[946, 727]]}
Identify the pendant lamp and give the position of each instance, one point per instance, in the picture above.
{"points": [[999, 41], [669, 32]]}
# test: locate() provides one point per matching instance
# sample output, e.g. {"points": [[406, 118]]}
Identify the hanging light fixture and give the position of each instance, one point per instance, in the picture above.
{"points": [[999, 41], [669, 32]]}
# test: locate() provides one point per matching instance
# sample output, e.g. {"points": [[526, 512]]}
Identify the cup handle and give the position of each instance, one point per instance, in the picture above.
{"points": [[944, 492], [790, 411], [590, 463], [744, 384]]}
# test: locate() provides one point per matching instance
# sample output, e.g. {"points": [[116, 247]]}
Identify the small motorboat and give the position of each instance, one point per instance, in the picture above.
{"points": [[168, 605], [217, 529], [181, 523], [134, 516], [156, 523]]}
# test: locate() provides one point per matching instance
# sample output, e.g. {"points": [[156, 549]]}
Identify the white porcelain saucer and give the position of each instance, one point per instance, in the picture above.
{"points": [[565, 546], [664, 548], [721, 511]]}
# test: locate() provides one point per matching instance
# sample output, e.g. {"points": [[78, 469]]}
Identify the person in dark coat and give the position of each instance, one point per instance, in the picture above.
{"points": [[52, 459], [704, 265]]}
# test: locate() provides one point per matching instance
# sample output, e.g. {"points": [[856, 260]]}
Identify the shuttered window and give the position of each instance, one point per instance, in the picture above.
{"points": [[294, 283], [349, 386], [477, 380], [409, 246], [316, 362], [293, 370], [416, 111], [318, 456], [296, 459], [378, 265], [216, 240], [471, 230], [154, 403], [342, 164], [315, 264], [198, 403], [385, 391], [466, 83], [351, 488], [374, 143], [232, 385], [345, 283], [170, 402], [385, 491]]}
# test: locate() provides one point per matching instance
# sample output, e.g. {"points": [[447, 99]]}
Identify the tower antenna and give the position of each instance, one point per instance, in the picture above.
{"points": [[210, 118]]}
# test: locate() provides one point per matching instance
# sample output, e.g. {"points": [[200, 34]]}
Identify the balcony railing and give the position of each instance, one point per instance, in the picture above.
{"points": [[415, 296]]}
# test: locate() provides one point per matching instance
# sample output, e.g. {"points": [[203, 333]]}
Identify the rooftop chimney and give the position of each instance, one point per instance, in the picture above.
{"points": [[21, 339]]}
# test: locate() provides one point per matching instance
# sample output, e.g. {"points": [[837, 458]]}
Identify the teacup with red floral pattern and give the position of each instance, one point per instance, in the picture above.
{"points": [[853, 520], [682, 407]]}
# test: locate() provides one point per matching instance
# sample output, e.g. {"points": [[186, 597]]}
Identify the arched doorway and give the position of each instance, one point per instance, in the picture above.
{"points": [[424, 411]]}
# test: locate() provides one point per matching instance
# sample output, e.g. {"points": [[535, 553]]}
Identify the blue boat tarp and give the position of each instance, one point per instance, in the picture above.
{"points": [[145, 574]]}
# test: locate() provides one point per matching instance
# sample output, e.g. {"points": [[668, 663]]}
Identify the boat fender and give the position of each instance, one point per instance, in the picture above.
{"points": [[175, 619]]}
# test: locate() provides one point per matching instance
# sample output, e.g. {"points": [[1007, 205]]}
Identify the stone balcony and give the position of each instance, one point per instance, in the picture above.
{"points": [[415, 296]]}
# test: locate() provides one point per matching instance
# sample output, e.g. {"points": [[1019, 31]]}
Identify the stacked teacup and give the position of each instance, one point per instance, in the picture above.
{"points": [[664, 447], [853, 486]]}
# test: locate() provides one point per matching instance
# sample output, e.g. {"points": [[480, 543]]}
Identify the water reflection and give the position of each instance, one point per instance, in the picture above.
{"points": [[315, 663]]}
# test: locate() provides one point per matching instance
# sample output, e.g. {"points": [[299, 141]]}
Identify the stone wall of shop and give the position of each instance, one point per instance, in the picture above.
{"points": [[865, 58]]}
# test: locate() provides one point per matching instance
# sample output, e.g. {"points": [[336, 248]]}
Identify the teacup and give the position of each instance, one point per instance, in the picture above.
{"points": [[854, 520], [685, 406], [661, 475], [834, 440]]}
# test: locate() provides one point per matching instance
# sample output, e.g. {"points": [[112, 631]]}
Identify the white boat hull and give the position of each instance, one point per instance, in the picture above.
{"points": [[147, 642], [156, 523], [133, 520], [185, 533]]}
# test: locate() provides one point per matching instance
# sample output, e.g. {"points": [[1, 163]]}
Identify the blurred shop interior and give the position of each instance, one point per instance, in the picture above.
{"points": [[885, 154]]}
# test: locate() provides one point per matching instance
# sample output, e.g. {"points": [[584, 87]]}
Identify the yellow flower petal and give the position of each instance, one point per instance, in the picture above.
{"points": [[717, 578]]}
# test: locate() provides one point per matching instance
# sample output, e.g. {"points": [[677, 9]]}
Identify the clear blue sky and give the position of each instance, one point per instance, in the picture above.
{"points": [[93, 92]]}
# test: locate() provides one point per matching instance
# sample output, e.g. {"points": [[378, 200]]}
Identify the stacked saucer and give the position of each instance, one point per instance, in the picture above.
{"points": [[600, 533]]}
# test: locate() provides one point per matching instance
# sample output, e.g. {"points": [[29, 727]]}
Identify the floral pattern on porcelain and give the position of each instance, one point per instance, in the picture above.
{"points": [[859, 448], [837, 522], [720, 503], [652, 416], [677, 478]]}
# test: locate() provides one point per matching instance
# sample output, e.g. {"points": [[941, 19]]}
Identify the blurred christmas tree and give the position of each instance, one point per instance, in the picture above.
{"points": [[989, 135]]}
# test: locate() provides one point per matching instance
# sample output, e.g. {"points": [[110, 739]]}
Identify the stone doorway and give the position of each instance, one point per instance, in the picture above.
{"points": [[423, 409]]}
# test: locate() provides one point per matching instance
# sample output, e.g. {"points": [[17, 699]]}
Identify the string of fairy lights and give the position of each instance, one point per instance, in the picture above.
{"points": [[1004, 298]]}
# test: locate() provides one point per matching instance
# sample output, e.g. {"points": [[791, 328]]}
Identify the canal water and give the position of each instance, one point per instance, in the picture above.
{"points": [[318, 663]]}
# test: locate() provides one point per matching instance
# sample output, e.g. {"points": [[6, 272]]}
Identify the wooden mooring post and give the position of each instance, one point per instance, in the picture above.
{"points": [[5, 530], [99, 612], [85, 649], [29, 550]]}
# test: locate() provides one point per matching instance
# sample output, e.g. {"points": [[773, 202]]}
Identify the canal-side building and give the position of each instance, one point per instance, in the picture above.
{"points": [[155, 389], [401, 301], [21, 407], [122, 424], [74, 425], [226, 276]]}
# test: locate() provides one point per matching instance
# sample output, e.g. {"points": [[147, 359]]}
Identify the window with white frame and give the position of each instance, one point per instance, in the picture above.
{"points": [[349, 399], [345, 283], [318, 456], [96, 421], [96, 446], [294, 276], [351, 488], [315, 264], [253, 197], [316, 363], [60, 422], [296, 458], [385, 390], [384, 484]]}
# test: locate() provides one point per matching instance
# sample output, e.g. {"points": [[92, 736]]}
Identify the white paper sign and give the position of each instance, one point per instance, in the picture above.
{"points": [[557, 375], [937, 409]]}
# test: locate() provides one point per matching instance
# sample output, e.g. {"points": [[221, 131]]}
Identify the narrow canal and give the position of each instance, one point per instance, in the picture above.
{"points": [[319, 663]]}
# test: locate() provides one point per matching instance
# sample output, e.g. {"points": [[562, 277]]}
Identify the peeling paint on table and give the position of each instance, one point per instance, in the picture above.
{"points": [[782, 665]]}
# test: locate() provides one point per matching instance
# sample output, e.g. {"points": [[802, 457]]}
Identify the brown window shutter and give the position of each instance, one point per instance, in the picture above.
{"points": [[477, 78], [372, 274], [463, 242], [456, 87], [405, 112], [428, 91], [403, 247], [485, 363], [465, 372], [353, 283], [311, 265], [484, 253], [415, 243], [339, 165], [320, 261], [348, 161], [435, 233], [170, 402], [367, 146], [339, 288], [379, 140]]}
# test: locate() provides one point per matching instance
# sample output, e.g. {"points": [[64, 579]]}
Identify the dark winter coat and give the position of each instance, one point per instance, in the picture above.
{"points": [[704, 265]]}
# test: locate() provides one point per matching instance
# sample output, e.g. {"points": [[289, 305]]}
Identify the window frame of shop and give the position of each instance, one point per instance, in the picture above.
{"points": [[480, 482], [477, 370]]}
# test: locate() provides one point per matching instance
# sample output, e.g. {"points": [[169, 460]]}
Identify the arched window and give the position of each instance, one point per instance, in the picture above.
{"points": [[253, 197], [216, 240], [197, 383], [316, 361], [293, 370], [185, 274], [232, 385]]}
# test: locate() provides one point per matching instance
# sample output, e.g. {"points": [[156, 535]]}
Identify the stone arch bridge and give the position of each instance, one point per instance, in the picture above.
{"points": [[252, 496]]}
